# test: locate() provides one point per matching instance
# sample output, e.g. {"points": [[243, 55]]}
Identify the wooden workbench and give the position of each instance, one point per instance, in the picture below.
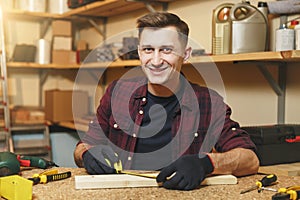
{"points": [[65, 189]]}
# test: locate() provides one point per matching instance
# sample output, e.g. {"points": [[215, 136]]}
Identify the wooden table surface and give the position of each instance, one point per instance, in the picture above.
{"points": [[65, 189]]}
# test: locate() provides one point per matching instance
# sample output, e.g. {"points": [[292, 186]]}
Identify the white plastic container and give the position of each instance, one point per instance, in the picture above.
{"points": [[43, 52], [221, 29], [31, 5], [284, 39], [58, 6], [249, 29]]}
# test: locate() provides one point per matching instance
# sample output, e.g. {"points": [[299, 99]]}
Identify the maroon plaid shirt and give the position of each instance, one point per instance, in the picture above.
{"points": [[202, 119]]}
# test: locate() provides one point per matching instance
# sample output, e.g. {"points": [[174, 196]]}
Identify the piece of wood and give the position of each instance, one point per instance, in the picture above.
{"points": [[291, 169], [125, 180]]}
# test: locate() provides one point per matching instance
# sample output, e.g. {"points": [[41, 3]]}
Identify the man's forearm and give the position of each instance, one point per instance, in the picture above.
{"points": [[238, 162], [79, 150]]}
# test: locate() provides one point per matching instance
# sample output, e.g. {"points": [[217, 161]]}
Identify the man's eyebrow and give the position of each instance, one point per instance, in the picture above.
{"points": [[162, 46]]}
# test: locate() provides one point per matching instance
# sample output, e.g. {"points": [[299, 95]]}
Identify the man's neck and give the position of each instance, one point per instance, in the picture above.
{"points": [[164, 90]]}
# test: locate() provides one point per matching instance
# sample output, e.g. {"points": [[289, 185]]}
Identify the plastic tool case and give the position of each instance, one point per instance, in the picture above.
{"points": [[79, 3], [276, 144]]}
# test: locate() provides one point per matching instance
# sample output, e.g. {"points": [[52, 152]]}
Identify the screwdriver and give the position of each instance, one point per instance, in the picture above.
{"points": [[265, 181]]}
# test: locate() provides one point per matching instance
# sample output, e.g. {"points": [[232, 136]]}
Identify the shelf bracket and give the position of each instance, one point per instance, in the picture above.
{"points": [[43, 77], [279, 87], [44, 27], [101, 31], [268, 76]]}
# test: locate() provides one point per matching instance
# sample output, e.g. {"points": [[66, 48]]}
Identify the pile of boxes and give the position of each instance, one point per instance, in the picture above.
{"points": [[62, 52]]}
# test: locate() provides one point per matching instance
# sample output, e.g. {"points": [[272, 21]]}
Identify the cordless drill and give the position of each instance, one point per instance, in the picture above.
{"points": [[11, 163]]}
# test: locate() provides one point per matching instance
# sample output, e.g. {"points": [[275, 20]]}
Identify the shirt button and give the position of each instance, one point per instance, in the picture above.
{"points": [[129, 158], [196, 134], [91, 121], [134, 135], [234, 129], [141, 112], [115, 125], [144, 99]]}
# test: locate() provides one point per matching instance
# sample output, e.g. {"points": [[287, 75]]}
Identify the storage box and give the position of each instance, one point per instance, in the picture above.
{"points": [[58, 105], [21, 115], [63, 57], [62, 43], [61, 28], [276, 144]]}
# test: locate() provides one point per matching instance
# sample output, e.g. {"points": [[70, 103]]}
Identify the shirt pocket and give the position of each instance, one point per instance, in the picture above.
{"points": [[119, 129]]}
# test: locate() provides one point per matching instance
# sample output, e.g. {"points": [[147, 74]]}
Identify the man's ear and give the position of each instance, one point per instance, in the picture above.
{"points": [[187, 53]]}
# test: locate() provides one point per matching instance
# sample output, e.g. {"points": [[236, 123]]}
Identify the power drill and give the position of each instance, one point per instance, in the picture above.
{"points": [[11, 163]]}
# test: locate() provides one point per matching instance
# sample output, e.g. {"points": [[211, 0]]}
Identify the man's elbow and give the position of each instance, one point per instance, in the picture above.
{"points": [[250, 167]]}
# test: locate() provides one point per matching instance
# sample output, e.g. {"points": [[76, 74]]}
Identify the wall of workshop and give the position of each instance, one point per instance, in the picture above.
{"points": [[246, 90]]}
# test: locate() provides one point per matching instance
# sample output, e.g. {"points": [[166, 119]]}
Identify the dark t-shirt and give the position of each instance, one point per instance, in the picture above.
{"points": [[156, 129]]}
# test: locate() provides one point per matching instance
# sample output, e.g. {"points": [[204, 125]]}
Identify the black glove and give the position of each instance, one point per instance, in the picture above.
{"points": [[94, 160], [190, 171]]}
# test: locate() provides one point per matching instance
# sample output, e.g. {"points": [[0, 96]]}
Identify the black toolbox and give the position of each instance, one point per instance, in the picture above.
{"points": [[276, 144]]}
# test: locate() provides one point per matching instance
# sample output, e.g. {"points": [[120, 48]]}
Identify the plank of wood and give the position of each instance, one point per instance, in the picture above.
{"points": [[125, 180], [291, 169]]}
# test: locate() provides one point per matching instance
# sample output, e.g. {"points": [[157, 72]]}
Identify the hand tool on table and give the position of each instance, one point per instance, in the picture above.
{"points": [[288, 193], [265, 181], [119, 169], [10, 163], [49, 175]]}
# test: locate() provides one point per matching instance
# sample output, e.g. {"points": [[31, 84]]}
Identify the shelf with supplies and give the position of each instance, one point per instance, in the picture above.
{"points": [[284, 56], [105, 8]]}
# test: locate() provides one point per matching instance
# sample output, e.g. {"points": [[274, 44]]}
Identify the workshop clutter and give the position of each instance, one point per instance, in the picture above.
{"points": [[58, 105], [15, 187], [245, 28], [239, 28], [62, 52]]}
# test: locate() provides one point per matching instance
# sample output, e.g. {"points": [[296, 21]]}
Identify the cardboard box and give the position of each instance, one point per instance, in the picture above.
{"points": [[62, 43], [61, 28], [63, 57], [58, 105], [27, 115]]}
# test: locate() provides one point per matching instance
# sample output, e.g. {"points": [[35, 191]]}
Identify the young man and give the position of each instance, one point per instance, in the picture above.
{"points": [[161, 121]]}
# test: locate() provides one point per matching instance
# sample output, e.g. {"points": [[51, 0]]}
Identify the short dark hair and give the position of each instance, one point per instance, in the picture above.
{"points": [[161, 20]]}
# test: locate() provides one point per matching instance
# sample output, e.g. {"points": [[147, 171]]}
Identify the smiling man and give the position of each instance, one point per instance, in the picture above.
{"points": [[161, 121]]}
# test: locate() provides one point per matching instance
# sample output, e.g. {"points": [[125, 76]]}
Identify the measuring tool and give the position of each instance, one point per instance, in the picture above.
{"points": [[265, 181], [50, 175], [292, 193]]}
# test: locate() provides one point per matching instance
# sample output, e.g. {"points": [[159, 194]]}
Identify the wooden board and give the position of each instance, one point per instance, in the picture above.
{"points": [[291, 169], [125, 181]]}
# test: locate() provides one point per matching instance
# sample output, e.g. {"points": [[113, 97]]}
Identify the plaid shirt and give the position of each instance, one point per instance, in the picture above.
{"points": [[201, 122]]}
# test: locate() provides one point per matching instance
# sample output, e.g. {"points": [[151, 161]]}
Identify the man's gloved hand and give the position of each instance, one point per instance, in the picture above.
{"points": [[190, 171], [94, 160]]}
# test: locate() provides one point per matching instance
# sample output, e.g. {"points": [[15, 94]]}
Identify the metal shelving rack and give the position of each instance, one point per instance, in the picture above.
{"points": [[5, 132]]}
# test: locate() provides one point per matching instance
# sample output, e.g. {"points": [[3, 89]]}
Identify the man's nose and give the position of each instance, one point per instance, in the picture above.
{"points": [[156, 58]]}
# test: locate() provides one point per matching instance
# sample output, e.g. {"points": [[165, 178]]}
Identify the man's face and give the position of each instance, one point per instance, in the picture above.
{"points": [[161, 54]]}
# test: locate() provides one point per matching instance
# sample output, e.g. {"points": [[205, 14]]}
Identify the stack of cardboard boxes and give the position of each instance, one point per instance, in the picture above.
{"points": [[62, 43]]}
